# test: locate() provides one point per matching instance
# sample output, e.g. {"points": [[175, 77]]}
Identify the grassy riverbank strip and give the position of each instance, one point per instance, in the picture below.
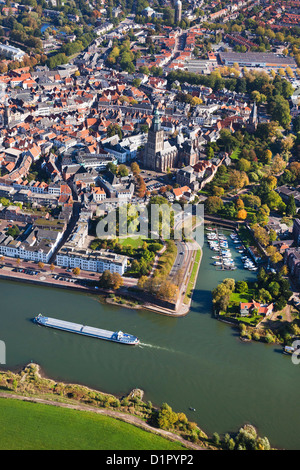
{"points": [[30, 385], [193, 276], [41, 414]]}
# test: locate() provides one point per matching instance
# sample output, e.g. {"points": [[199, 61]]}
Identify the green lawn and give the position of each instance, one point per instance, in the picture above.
{"points": [[26, 426], [237, 297], [133, 242]]}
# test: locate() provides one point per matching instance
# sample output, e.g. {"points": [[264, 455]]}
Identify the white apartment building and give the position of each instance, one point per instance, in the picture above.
{"points": [[12, 52], [89, 261], [39, 245]]}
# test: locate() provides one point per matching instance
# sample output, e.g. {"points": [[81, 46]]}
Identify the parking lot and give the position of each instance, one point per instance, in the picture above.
{"points": [[52, 275]]}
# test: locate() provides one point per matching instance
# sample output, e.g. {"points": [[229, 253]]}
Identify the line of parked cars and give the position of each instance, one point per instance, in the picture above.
{"points": [[66, 279], [26, 271]]}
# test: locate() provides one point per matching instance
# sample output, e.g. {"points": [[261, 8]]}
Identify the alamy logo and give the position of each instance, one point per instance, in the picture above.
{"points": [[2, 353], [165, 221], [296, 353]]}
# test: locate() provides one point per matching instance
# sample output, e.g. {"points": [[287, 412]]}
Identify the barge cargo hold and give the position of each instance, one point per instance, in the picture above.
{"points": [[116, 336]]}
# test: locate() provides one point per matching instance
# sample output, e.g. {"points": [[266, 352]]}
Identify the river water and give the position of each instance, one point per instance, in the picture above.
{"points": [[194, 361]]}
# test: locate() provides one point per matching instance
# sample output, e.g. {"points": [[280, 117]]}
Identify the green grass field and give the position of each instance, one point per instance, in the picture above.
{"points": [[134, 242], [242, 297], [26, 426]]}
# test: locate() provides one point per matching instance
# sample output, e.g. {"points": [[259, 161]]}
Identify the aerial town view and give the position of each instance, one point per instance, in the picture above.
{"points": [[149, 225]]}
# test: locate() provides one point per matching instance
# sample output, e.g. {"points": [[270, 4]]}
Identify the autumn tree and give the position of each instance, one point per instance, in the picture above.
{"points": [[218, 191], [239, 204], [135, 168], [242, 214], [273, 253], [244, 165], [166, 417], [271, 181], [116, 281], [261, 235], [105, 280], [221, 294], [238, 179], [267, 157], [168, 290], [252, 201], [142, 282], [213, 204]]}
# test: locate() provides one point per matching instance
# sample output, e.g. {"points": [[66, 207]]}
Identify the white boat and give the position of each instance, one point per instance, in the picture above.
{"points": [[116, 336]]}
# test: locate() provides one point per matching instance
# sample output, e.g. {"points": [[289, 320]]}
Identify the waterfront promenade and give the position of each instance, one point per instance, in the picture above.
{"points": [[86, 282]]}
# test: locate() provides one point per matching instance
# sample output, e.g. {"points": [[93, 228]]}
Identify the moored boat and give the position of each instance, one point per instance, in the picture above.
{"points": [[115, 336]]}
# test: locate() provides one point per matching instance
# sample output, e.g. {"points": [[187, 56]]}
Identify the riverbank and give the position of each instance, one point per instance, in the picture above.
{"points": [[188, 357], [104, 294], [30, 384], [273, 332], [128, 295]]}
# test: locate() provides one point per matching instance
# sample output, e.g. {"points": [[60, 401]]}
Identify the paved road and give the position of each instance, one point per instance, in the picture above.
{"points": [[70, 227], [66, 277]]}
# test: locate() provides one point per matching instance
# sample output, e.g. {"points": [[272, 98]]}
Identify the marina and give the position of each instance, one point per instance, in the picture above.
{"points": [[218, 243]]}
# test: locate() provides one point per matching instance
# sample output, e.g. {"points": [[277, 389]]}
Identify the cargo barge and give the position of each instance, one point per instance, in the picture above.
{"points": [[116, 336]]}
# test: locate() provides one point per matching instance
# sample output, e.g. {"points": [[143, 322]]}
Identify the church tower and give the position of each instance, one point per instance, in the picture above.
{"points": [[178, 10], [253, 120], [7, 114], [155, 143]]}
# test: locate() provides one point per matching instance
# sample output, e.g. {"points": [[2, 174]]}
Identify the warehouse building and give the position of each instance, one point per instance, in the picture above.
{"points": [[266, 60]]}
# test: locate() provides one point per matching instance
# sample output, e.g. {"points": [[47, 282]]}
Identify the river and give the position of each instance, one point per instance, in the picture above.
{"points": [[194, 361]]}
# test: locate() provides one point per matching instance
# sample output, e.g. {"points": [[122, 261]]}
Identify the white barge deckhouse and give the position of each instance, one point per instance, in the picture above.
{"points": [[116, 336]]}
